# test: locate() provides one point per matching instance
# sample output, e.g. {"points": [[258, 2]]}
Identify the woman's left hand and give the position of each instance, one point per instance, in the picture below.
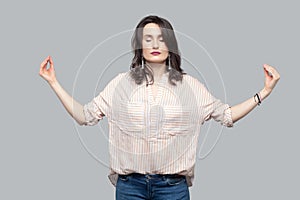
{"points": [[271, 78]]}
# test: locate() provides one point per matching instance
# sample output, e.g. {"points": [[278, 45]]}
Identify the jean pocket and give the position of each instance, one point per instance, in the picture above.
{"points": [[175, 181]]}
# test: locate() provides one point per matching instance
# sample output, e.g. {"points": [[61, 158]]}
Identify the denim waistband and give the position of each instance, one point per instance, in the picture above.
{"points": [[153, 176]]}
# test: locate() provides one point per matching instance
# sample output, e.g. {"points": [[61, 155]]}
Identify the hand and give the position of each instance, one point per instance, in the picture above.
{"points": [[271, 77], [48, 74]]}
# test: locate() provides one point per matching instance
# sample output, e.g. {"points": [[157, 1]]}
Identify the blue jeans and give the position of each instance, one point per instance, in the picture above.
{"points": [[152, 187]]}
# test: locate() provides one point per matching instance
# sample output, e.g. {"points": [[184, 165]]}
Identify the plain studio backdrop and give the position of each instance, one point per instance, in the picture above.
{"points": [[46, 155]]}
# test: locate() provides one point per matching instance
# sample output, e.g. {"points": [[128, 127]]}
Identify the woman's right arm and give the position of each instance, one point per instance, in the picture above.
{"points": [[74, 108]]}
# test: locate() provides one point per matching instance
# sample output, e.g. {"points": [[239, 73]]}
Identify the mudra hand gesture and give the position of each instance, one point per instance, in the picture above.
{"points": [[48, 74], [271, 78]]}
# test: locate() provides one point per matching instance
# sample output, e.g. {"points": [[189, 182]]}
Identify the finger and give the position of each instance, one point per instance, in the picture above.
{"points": [[51, 62], [42, 70], [272, 71], [44, 64], [45, 61], [267, 71], [267, 67]]}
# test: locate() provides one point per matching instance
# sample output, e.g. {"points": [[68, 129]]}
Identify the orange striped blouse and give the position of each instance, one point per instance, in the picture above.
{"points": [[154, 135]]}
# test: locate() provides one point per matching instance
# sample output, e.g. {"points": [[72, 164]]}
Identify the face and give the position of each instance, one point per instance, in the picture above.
{"points": [[154, 47]]}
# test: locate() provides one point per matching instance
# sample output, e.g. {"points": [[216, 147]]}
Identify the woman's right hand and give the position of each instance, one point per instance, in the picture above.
{"points": [[48, 74]]}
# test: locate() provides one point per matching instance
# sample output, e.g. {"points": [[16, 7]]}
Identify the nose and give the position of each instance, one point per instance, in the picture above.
{"points": [[155, 44]]}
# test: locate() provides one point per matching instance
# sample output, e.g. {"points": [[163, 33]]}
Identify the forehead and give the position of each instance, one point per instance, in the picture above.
{"points": [[151, 29]]}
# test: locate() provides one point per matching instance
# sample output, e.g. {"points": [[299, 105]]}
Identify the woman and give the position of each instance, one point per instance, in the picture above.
{"points": [[155, 112]]}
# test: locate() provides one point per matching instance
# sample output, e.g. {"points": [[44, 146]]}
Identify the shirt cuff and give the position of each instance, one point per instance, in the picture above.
{"points": [[227, 119], [92, 115]]}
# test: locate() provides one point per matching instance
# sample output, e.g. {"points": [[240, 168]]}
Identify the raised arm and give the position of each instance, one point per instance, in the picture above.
{"points": [[242, 109], [74, 108]]}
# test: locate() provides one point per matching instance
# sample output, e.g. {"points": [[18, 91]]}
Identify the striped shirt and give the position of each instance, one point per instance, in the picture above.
{"points": [[154, 134]]}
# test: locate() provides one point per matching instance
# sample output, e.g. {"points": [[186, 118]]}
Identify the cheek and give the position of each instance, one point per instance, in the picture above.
{"points": [[164, 47], [146, 51], [146, 45], [165, 55], [146, 48], [164, 50]]}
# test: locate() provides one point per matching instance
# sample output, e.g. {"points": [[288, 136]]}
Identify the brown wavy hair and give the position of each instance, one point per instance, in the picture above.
{"points": [[137, 72]]}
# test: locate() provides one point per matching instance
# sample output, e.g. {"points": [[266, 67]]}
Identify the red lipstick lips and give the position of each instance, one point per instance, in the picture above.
{"points": [[155, 53]]}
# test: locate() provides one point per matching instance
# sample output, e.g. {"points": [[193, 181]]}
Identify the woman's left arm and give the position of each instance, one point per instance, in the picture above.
{"points": [[242, 109]]}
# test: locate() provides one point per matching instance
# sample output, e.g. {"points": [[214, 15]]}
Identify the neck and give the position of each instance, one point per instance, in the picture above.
{"points": [[158, 69]]}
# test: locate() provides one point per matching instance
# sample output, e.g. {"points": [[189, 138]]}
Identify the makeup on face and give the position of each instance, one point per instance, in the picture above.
{"points": [[154, 48]]}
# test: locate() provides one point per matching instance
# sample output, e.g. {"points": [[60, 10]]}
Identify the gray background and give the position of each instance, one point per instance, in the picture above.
{"points": [[42, 155]]}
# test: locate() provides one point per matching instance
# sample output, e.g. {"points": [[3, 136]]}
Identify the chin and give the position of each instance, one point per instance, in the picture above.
{"points": [[156, 61]]}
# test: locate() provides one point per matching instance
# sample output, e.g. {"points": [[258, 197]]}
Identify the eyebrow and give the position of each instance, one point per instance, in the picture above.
{"points": [[148, 35]]}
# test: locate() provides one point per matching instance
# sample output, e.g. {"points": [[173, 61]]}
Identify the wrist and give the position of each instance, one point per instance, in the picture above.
{"points": [[264, 93], [52, 83]]}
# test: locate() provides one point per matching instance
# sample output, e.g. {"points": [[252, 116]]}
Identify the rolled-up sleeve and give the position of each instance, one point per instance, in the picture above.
{"points": [[227, 118], [100, 105], [212, 107], [92, 112]]}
